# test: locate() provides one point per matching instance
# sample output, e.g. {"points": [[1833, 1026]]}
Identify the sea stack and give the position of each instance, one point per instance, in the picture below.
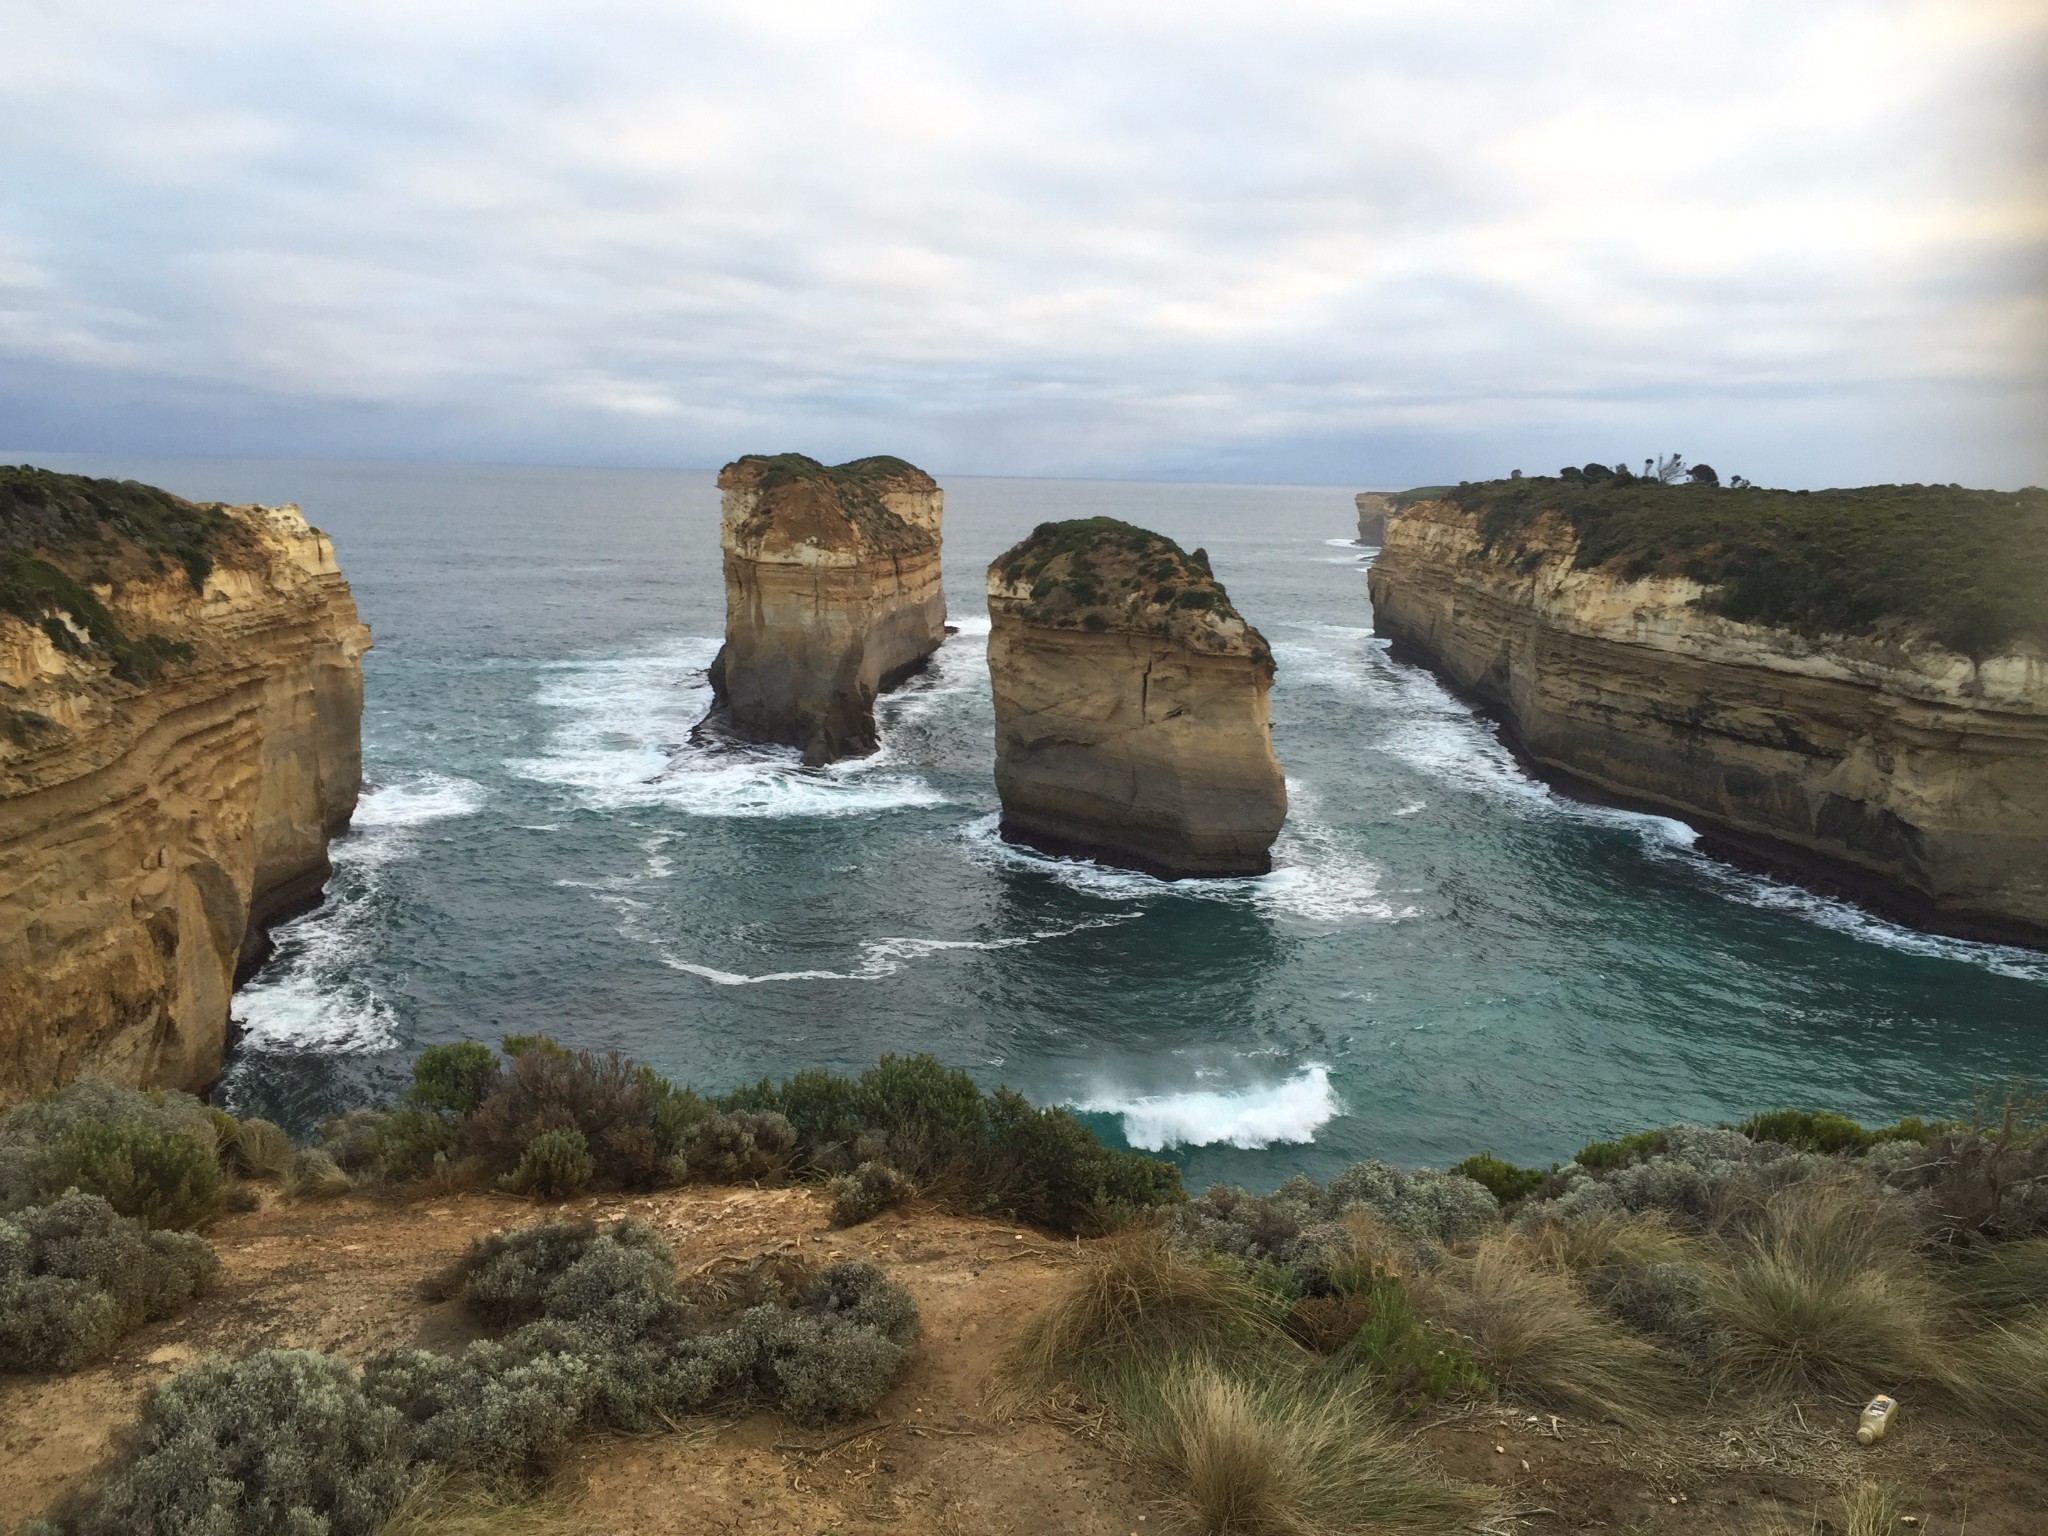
{"points": [[181, 698], [1130, 700], [1374, 508], [832, 597]]}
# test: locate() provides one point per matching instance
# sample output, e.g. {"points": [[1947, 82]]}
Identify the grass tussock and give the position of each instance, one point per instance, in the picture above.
{"points": [[1827, 1294], [1540, 1337], [1285, 1455], [1137, 1296], [444, 1505]]}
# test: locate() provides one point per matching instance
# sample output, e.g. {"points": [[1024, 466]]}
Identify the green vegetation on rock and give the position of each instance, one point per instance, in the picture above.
{"points": [[855, 486], [61, 534], [1098, 573], [1965, 568]]}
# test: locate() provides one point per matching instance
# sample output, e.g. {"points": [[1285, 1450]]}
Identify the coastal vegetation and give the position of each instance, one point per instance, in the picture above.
{"points": [[1098, 573], [1265, 1357], [62, 534], [1964, 568]]}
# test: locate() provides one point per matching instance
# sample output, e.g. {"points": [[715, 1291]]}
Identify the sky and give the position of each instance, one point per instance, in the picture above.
{"points": [[1377, 243]]}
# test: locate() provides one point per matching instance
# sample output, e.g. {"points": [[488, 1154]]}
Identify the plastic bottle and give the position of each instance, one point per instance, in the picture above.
{"points": [[1877, 1418]]}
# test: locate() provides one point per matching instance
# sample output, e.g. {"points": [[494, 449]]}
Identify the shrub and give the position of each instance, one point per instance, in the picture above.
{"points": [[508, 1278], [354, 1142], [314, 1175], [283, 1443], [1284, 1455], [260, 1149], [1984, 1179], [1286, 1229], [75, 1275], [865, 1193], [1406, 1359], [1043, 1165], [454, 1079], [154, 1155], [1825, 1131], [628, 1115], [735, 1147], [1542, 1340], [1606, 1156], [1507, 1182], [163, 1178], [1443, 1207], [414, 1144], [556, 1165]]}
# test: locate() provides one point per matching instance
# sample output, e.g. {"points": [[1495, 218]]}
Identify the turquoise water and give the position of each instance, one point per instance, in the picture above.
{"points": [[1449, 959]]}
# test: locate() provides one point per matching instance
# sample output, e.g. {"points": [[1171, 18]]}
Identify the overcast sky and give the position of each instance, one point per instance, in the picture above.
{"points": [[1373, 243]]}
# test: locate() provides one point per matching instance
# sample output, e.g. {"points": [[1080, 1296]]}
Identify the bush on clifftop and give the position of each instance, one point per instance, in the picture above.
{"points": [[1965, 567]]}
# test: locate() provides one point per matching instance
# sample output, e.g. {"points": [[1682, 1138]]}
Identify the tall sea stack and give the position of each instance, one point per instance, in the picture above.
{"points": [[181, 699], [1130, 699], [832, 597]]}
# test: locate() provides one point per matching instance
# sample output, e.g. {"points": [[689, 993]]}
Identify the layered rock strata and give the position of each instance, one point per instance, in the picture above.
{"points": [[181, 738], [1886, 767], [1374, 508], [832, 597], [1131, 705]]}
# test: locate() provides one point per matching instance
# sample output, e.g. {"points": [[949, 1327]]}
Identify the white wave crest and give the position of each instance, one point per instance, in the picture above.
{"points": [[1290, 1111], [419, 798], [1315, 875], [625, 742], [884, 957]]}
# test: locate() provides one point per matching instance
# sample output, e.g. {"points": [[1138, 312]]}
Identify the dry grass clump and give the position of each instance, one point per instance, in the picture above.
{"points": [[1827, 1293], [1137, 1296], [442, 1504], [1285, 1455], [1543, 1340], [1999, 1375]]}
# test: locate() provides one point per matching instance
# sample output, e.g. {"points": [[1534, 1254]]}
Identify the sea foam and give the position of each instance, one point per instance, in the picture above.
{"points": [[1251, 1118], [624, 741]]}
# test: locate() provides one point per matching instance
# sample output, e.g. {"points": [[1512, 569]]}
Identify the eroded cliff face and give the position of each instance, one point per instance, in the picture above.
{"points": [[1374, 508], [152, 824], [1902, 772], [1131, 705], [832, 597]]}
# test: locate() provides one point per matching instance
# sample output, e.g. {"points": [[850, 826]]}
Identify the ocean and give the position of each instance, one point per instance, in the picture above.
{"points": [[1449, 958]]}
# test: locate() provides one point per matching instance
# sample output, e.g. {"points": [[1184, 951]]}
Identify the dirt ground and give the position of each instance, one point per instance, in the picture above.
{"points": [[939, 1456]]}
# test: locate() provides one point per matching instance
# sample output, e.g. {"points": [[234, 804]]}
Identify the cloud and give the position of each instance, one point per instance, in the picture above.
{"points": [[1295, 241]]}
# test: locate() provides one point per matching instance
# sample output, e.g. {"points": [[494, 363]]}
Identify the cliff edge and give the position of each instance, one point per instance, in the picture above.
{"points": [[1131, 705], [1847, 686], [832, 597], [180, 734]]}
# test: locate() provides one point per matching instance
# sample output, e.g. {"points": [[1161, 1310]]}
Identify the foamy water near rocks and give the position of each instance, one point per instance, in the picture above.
{"points": [[832, 597], [1131, 705], [179, 744]]}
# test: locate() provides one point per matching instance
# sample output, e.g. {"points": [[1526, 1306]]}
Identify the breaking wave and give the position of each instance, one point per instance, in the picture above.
{"points": [[1250, 1118]]}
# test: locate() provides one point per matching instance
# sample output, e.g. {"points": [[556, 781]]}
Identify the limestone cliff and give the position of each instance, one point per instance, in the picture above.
{"points": [[1374, 508], [832, 597], [1886, 763], [181, 695], [1130, 700]]}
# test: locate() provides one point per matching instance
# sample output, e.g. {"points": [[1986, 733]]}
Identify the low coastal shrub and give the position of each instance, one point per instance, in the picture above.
{"points": [[865, 1193], [599, 1338], [1964, 567], [1409, 1361], [75, 1275], [991, 1151], [283, 1443], [556, 1165], [738, 1147], [314, 1175], [154, 1156], [1503, 1179]]}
